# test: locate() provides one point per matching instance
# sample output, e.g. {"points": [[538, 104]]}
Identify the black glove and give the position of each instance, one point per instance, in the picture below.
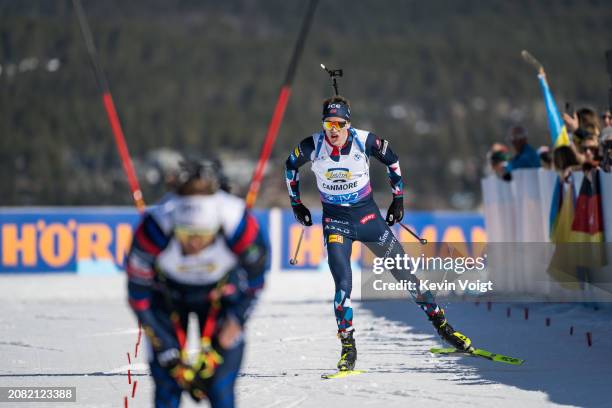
{"points": [[302, 214], [200, 387], [395, 213]]}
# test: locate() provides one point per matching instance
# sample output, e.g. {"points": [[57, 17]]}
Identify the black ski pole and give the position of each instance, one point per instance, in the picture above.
{"points": [[293, 261], [423, 241]]}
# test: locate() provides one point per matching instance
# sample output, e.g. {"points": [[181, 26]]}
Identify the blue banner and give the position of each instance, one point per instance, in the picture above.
{"points": [[94, 240], [457, 227], [87, 240]]}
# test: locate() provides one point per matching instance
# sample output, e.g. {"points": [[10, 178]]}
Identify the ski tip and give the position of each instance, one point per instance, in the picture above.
{"points": [[341, 374], [438, 350], [478, 353], [511, 360]]}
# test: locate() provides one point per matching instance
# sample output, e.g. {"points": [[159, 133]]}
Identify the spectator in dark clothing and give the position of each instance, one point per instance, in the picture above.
{"points": [[525, 155], [498, 157], [589, 153], [545, 157]]}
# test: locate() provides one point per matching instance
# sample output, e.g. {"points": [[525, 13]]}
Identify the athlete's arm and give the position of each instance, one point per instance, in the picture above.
{"points": [[149, 240], [247, 241], [380, 149], [299, 156]]}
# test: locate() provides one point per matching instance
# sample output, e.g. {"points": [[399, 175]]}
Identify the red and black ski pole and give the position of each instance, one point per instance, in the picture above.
{"points": [[113, 118], [279, 109], [109, 106]]}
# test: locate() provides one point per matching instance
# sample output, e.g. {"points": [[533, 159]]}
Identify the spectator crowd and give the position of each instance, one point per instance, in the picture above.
{"points": [[590, 147]]}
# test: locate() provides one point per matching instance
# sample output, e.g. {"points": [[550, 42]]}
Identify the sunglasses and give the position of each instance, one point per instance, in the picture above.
{"points": [[593, 149], [606, 116], [329, 125]]}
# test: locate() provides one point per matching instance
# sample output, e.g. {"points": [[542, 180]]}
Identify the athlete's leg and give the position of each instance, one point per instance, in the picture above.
{"points": [[339, 257], [221, 394], [386, 245], [221, 391], [167, 391], [379, 238]]}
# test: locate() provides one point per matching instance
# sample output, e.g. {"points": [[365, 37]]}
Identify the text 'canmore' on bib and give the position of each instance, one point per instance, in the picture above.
{"points": [[347, 180]]}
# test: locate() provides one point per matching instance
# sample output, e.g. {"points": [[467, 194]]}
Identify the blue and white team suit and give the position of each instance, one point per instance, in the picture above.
{"points": [[349, 211], [165, 285]]}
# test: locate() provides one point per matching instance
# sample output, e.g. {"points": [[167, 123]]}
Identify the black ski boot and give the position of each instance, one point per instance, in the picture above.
{"points": [[348, 355], [448, 334]]}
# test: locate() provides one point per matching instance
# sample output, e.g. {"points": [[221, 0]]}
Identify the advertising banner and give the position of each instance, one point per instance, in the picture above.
{"points": [[94, 240]]}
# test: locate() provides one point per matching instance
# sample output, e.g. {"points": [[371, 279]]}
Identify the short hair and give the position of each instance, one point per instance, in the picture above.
{"points": [[201, 176], [564, 156], [336, 99], [517, 133], [196, 186], [588, 117]]}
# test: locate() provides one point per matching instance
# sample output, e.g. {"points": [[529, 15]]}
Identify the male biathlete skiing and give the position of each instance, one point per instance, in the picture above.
{"points": [[340, 157]]}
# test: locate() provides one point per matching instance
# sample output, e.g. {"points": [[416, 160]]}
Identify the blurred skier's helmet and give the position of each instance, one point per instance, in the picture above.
{"points": [[200, 177]]}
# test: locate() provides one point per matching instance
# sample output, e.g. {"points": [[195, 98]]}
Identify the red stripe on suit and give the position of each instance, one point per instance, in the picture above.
{"points": [[248, 235], [140, 305], [145, 243]]}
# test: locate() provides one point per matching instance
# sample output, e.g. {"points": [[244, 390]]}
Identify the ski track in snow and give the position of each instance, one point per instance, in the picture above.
{"points": [[67, 330]]}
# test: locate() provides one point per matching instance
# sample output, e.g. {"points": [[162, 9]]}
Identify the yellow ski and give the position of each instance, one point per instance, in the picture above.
{"points": [[342, 374], [500, 358]]}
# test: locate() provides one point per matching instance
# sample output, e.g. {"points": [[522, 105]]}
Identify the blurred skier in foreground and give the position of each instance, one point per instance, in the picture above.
{"points": [[200, 252]]}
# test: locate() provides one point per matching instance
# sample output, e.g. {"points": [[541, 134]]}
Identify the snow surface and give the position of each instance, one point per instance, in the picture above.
{"points": [[68, 330]]}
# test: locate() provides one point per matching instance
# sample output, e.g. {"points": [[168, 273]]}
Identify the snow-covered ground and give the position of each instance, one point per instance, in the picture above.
{"points": [[67, 330]]}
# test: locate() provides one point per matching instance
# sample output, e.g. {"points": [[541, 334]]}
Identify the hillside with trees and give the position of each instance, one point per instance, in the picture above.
{"points": [[441, 80]]}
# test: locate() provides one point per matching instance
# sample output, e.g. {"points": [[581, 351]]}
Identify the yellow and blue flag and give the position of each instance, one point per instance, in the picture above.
{"points": [[559, 137], [558, 132], [562, 212]]}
